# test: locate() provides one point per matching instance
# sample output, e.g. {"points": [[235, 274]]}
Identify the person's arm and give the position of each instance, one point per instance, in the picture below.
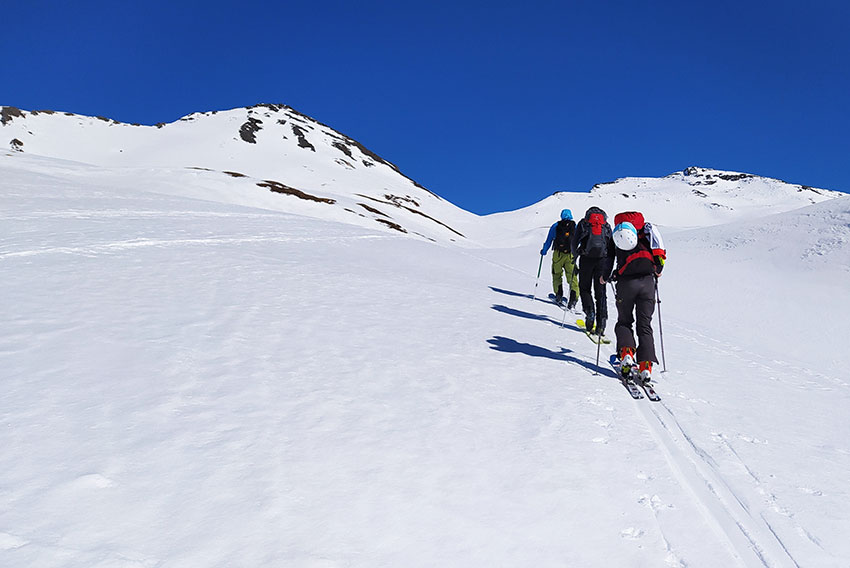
{"points": [[549, 239], [576, 240]]}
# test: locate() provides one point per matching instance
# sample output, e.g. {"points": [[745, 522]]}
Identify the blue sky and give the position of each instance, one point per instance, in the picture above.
{"points": [[492, 105]]}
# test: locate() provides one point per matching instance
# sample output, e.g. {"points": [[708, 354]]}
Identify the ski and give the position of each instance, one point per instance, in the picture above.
{"points": [[632, 388], [629, 381], [650, 392], [592, 336]]}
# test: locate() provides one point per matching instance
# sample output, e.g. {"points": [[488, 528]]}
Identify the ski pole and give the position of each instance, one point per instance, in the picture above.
{"points": [[598, 347], [536, 282], [660, 328]]}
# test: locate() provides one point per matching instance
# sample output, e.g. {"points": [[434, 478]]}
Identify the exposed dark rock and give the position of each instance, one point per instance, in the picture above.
{"points": [[302, 139], [8, 113], [270, 106], [392, 225], [397, 199], [248, 131], [278, 187], [342, 148], [412, 211], [309, 121], [373, 210], [16, 144], [692, 171], [234, 174], [734, 177], [699, 193]]}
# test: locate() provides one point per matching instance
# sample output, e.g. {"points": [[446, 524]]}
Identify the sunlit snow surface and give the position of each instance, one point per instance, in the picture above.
{"points": [[193, 376]]}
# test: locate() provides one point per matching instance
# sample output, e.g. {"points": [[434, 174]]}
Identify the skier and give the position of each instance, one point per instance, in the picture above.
{"points": [[640, 260], [560, 235], [593, 246]]}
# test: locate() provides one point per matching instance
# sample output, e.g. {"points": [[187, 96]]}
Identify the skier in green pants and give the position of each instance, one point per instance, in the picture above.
{"points": [[562, 260]]}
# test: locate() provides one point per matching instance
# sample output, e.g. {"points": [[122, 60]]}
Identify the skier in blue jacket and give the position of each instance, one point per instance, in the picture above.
{"points": [[559, 238]]}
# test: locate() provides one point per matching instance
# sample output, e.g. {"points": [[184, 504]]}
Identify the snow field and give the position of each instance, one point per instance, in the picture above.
{"points": [[190, 383]]}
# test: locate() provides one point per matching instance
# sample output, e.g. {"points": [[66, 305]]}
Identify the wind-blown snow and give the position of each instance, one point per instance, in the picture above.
{"points": [[194, 377]]}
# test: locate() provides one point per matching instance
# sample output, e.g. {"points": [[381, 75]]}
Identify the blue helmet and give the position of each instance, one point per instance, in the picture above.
{"points": [[566, 214]]}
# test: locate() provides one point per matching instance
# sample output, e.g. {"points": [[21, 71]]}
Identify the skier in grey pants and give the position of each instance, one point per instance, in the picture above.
{"points": [[640, 260]]}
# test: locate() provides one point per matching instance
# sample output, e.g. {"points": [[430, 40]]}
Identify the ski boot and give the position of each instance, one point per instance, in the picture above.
{"points": [[627, 361], [645, 370]]}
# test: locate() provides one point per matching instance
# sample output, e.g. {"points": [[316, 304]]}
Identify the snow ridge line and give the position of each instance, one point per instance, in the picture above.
{"points": [[752, 541]]}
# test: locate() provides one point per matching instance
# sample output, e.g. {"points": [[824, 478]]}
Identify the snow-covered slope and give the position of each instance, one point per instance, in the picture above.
{"points": [[695, 197], [191, 383], [273, 157], [241, 155]]}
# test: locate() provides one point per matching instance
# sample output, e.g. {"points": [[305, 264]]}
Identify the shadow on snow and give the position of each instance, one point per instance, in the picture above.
{"points": [[508, 345], [544, 299], [531, 316]]}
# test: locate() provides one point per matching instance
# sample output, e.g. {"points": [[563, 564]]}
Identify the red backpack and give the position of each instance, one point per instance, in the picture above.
{"points": [[596, 245], [633, 217]]}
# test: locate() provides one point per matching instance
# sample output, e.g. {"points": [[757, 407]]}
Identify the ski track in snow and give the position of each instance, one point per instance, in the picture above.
{"points": [[741, 521], [748, 535]]}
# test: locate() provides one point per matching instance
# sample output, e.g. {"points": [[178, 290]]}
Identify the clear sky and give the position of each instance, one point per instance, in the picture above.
{"points": [[493, 105]]}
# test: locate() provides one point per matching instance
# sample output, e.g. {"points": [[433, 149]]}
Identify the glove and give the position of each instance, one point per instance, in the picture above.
{"points": [[542, 252]]}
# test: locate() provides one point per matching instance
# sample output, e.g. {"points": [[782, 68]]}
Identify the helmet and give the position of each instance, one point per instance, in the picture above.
{"points": [[625, 236], [566, 214]]}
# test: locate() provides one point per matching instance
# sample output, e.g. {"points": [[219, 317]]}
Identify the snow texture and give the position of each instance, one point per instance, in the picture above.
{"points": [[197, 371]]}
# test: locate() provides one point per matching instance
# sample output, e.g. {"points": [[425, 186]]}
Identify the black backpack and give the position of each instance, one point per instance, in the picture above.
{"points": [[598, 234], [563, 233]]}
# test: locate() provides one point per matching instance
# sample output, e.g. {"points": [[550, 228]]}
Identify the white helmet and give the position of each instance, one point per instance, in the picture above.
{"points": [[625, 236]]}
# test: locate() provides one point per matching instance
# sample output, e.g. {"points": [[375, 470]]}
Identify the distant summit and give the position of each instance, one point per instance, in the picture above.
{"points": [[271, 146], [272, 156]]}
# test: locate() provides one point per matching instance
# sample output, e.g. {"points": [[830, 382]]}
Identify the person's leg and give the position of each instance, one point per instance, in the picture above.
{"points": [[645, 308], [572, 281], [625, 316], [585, 282], [558, 261]]}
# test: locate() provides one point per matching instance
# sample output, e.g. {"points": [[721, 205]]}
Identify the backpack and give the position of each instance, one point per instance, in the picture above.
{"points": [[563, 233], [633, 217], [599, 234]]}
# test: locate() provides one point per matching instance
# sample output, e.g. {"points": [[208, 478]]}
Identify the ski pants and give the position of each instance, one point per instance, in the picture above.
{"points": [[636, 297], [563, 262], [589, 272]]}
